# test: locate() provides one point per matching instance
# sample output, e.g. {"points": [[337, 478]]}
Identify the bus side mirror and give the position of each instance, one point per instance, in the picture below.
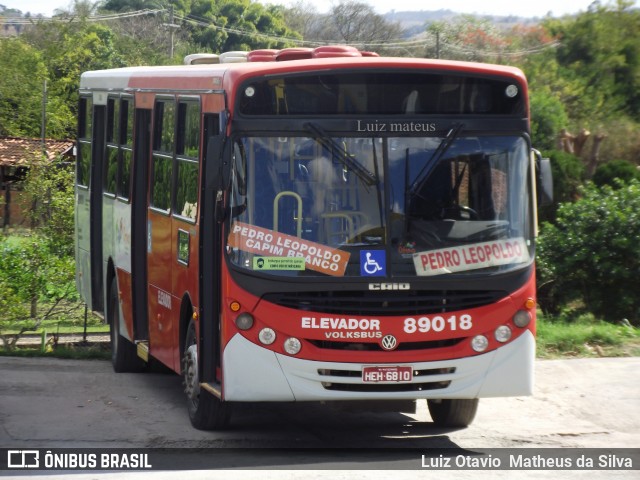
{"points": [[544, 180], [213, 159], [218, 162]]}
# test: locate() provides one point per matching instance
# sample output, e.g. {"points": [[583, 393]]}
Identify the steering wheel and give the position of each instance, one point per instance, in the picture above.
{"points": [[460, 212]]}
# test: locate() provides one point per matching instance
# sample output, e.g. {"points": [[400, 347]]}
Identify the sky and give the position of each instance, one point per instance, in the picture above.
{"points": [[523, 8]]}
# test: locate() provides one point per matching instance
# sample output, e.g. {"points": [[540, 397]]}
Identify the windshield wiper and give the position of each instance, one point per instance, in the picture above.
{"points": [[437, 155], [320, 136]]}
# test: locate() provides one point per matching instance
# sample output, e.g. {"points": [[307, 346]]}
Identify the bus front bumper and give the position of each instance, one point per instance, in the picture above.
{"points": [[253, 373]]}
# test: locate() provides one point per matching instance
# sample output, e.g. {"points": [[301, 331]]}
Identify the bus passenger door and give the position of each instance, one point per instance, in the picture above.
{"points": [[210, 243], [184, 237], [95, 212], [163, 307], [83, 200], [141, 153]]}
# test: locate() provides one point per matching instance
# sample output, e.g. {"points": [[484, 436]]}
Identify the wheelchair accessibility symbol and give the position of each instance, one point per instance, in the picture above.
{"points": [[373, 263]]}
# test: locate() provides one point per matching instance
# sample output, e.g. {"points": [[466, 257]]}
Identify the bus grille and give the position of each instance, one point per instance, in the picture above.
{"points": [[410, 302], [376, 347]]}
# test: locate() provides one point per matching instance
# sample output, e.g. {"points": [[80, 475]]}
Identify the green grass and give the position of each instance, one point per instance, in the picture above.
{"points": [[76, 352], [53, 327], [585, 337], [69, 323]]}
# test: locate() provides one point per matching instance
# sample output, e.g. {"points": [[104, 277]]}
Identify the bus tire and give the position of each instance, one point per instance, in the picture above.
{"points": [[124, 357], [206, 411], [453, 412]]}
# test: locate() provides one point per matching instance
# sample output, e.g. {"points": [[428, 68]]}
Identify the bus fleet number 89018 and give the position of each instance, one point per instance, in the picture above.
{"points": [[438, 323]]}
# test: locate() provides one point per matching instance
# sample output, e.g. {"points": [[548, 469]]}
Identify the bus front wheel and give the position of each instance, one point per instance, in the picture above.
{"points": [[453, 412], [206, 411]]}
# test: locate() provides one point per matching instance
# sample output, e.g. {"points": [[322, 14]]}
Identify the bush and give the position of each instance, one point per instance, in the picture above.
{"points": [[51, 189], [568, 176], [548, 117], [31, 276], [622, 170], [591, 254]]}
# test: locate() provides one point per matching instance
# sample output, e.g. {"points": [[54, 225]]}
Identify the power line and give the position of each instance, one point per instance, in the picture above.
{"points": [[74, 18], [205, 23]]}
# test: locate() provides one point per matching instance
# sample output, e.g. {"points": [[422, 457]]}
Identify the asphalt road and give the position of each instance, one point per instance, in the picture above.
{"points": [[50, 404]]}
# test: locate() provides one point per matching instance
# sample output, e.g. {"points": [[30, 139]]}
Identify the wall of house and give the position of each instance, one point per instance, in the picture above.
{"points": [[19, 208]]}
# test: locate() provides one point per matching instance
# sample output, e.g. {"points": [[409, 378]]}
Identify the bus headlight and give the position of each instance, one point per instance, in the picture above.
{"points": [[503, 333], [267, 336], [292, 346], [244, 321], [522, 318], [479, 343]]}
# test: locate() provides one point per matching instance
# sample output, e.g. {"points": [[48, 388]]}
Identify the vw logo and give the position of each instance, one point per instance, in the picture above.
{"points": [[389, 342]]}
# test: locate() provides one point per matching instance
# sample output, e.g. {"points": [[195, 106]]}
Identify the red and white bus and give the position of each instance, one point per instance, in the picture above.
{"points": [[312, 225]]}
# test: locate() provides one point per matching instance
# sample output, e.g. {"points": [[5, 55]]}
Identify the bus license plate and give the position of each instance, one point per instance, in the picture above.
{"points": [[387, 374]]}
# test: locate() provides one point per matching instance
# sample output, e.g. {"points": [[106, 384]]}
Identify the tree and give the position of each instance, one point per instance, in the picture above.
{"points": [[548, 117], [79, 8], [357, 23], [67, 51], [467, 37], [220, 26], [592, 255], [348, 22], [50, 186], [250, 25], [209, 34], [133, 5], [38, 270], [30, 273], [21, 84], [600, 56], [147, 39], [303, 17]]}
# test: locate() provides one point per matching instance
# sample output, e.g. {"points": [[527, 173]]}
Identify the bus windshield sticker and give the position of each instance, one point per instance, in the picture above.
{"points": [[471, 257], [278, 263], [262, 241], [373, 263]]}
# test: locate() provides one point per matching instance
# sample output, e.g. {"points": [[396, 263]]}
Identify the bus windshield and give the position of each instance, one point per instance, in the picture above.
{"points": [[380, 207]]}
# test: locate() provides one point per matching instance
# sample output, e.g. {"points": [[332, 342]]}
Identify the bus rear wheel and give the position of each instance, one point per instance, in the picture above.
{"points": [[124, 357], [206, 411], [453, 412]]}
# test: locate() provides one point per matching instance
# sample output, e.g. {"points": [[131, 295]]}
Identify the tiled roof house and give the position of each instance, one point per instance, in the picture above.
{"points": [[16, 156]]}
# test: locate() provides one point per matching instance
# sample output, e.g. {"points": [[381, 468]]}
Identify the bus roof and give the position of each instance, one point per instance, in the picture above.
{"points": [[218, 76]]}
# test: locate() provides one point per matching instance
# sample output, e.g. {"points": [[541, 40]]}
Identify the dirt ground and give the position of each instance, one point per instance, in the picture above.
{"points": [[52, 403]]}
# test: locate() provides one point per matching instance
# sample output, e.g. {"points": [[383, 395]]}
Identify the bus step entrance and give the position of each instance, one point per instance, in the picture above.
{"points": [[142, 348]]}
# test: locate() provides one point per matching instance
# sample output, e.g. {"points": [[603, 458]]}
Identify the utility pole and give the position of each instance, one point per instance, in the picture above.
{"points": [[43, 126], [172, 28]]}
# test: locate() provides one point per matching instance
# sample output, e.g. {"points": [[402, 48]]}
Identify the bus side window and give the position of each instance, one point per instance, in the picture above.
{"points": [[84, 141], [126, 148], [111, 163], [187, 165], [162, 160]]}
